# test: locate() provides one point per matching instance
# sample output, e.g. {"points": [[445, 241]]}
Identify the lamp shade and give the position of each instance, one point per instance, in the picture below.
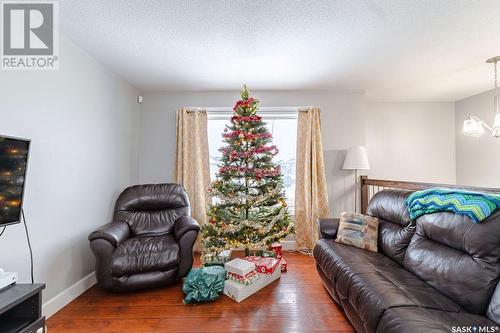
{"points": [[473, 127], [356, 159]]}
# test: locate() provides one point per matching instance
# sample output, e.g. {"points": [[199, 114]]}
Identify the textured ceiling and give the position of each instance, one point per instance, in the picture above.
{"points": [[411, 50]]}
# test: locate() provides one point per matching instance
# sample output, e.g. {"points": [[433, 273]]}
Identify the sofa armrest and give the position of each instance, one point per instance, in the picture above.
{"points": [[494, 307], [103, 251], [327, 228], [186, 231], [183, 225], [115, 232]]}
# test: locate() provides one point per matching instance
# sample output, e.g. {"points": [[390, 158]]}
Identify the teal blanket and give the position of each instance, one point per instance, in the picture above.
{"points": [[477, 206]]}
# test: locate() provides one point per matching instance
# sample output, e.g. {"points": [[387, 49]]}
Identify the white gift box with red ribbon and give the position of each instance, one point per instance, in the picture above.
{"points": [[239, 292]]}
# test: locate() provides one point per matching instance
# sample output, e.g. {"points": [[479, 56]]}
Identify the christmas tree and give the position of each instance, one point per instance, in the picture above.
{"points": [[249, 209]]}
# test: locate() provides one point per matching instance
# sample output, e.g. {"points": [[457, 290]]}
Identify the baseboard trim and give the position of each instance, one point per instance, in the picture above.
{"points": [[59, 301]]}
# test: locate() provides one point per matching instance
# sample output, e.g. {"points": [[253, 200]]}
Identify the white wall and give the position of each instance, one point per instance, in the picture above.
{"points": [[478, 159], [342, 123], [411, 141], [82, 121]]}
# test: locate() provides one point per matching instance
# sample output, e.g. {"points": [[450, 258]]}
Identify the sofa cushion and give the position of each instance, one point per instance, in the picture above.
{"points": [[393, 239], [358, 230], [328, 262], [422, 320], [373, 293], [145, 254], [333, 257], [390, 205], [373, 283], [459, 258], [395, 227]]}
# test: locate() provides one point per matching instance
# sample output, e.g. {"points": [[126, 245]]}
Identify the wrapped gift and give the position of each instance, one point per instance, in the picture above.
{"points": [[246, 280], [238, 253], [264, 265], [253, 259], [277, 249], [267, 253], [216, 259], [204, 284], [284, 265], [253, 252], [239, 266], [239, 292]]}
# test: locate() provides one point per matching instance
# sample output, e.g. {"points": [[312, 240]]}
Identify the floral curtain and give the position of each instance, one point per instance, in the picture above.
{"points": [[192, 166], [311, 197]]}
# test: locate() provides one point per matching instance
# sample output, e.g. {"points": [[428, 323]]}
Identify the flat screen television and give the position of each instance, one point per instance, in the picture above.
{"points": [[13, 164]]}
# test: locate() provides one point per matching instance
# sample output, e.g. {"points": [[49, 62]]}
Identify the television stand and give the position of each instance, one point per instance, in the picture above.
{"points": [[21, 309]]}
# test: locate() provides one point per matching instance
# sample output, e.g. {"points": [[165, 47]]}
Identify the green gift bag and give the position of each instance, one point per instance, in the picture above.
{"points": [[204, 284]]}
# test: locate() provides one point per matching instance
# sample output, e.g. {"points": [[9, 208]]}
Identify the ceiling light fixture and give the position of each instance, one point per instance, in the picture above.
{"points": [[473, 126]]}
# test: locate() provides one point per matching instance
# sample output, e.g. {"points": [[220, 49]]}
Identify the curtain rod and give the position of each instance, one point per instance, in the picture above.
{"points": [[262, 109]]}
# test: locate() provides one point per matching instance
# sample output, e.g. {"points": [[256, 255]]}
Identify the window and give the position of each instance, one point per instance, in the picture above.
{"points": [[282, 124]]}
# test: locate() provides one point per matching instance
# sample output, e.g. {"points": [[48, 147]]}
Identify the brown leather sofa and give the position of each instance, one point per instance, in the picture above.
{"points": [[439, 273], [150, 241]]}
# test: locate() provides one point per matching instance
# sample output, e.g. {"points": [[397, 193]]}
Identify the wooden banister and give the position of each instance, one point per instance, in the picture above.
{"points": [[366, 183], [364, 194]]}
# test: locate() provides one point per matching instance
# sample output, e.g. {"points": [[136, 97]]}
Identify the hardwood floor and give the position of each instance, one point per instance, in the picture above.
{"points": [[297, 302]]}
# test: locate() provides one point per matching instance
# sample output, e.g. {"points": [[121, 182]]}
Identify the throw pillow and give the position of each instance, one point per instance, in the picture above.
{"points": [[358, 230]]}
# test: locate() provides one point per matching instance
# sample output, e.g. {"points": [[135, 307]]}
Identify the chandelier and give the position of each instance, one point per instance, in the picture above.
{"points": [[475, 127]]}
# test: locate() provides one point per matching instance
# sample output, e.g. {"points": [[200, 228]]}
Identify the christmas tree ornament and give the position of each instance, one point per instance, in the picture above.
{"points": [[249, 209]]}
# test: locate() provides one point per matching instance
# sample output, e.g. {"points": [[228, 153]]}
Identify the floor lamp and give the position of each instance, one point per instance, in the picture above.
{"points": [[356, 159]]}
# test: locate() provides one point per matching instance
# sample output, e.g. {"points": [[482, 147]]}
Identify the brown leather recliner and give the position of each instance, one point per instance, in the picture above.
{"points": [[439, 273], [150, 241]]}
